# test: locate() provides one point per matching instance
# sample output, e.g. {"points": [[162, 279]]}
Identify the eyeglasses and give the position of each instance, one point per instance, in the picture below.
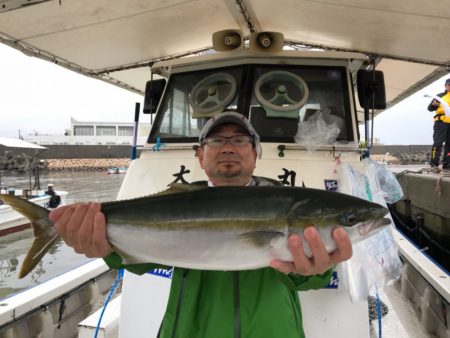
{"points": [[236, 140]]}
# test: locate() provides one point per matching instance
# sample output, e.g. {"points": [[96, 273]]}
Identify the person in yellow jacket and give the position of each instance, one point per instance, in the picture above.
{"points": [[441, 132]]}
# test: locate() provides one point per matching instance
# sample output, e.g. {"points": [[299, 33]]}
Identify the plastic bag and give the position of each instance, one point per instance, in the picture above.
{"points": [[351, 182], [315, 132], [384, 179], [375, 261]]}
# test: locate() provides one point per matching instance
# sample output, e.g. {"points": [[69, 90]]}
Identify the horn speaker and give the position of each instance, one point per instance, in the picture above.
{"points": [[228, 40], [266, 42]]}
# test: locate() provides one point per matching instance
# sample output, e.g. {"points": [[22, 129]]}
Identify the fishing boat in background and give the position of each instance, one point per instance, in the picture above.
{"points": [[117, 170], [319, 70], [10, 220]]}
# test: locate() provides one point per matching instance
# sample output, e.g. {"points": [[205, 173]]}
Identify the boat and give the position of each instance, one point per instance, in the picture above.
{"points": [[10, 220], [361, 67], [116, 170]]}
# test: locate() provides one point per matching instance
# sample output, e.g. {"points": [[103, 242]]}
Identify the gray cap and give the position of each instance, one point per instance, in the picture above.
{"points": [[233, 118], [447, 81]]}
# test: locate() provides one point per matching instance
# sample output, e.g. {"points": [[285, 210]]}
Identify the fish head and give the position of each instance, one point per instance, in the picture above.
{"points": [[366, 214], [324, 209], [364, 222]]}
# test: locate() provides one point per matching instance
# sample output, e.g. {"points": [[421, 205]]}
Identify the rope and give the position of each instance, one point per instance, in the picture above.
{"points": [[438, 184], [119, 277], [158, 145], [378, 312]]}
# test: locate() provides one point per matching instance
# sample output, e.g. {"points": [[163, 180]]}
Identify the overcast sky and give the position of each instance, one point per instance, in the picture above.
{"points": [[38, 96]]}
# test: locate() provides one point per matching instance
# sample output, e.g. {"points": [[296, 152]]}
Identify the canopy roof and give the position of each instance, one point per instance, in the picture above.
{"points": [[10, 142], [117, 40]]}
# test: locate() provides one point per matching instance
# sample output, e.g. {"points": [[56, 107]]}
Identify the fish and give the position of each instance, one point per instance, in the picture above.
{"points": [[215, 228]]}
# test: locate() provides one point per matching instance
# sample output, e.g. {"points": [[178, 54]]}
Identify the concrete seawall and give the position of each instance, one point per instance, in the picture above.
{"points": [[90, 164], [79, 151], [101, 157]]}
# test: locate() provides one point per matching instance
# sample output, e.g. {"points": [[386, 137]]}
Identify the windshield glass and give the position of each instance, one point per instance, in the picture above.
{"points": [[191, 98], [278, 100], [286, 99]]}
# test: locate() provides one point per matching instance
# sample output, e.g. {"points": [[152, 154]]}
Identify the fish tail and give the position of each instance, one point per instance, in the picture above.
{"points": [[44, 233]]}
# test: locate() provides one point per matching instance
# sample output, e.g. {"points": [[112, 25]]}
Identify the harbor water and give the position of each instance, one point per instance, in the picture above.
{"points": [[81, 187]]}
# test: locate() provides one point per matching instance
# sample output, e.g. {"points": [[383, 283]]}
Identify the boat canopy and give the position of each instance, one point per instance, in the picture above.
{"points": [[118, 41], [10, 142]]}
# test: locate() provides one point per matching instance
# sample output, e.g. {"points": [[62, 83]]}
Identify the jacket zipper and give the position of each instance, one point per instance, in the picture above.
{"points": [[180, 301], [237, 306]]}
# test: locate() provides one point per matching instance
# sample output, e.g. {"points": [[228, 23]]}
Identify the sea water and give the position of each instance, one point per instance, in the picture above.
{"points": [[81, 187]]}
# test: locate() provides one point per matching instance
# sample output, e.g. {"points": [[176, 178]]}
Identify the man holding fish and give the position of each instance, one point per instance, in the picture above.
{"points": [[242, 246], [249, 303]]}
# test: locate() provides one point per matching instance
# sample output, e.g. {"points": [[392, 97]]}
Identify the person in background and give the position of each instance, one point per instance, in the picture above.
{"points": [[446, 162], [55, 200], [441, 133], [223, 304]]}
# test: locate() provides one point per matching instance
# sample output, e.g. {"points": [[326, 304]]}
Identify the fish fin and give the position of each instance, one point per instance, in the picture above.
{"points": [[261, 238], [44, 233], [127, 259], [175, 188]]}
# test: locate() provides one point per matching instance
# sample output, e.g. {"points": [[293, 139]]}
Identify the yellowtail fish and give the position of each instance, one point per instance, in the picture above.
{"points": [[222, 228]]}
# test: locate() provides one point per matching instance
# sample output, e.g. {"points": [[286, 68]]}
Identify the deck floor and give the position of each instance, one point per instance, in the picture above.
{"points": [[402, 321]]}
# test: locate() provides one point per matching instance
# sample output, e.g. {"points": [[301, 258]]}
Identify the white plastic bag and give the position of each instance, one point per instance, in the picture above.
{"points": [[384, 180], [315, 132], [375, 261]]}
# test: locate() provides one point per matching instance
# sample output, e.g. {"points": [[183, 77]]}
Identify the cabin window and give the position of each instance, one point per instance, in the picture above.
{"points": [[284, 98], [276, 98], [191, 98]]}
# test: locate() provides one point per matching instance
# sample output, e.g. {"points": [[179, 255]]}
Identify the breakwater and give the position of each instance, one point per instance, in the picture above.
{"points": [[101, 157], [87, 164], [24, 163]]}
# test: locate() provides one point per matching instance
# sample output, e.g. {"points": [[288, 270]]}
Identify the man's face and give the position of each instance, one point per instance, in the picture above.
{"points": [[447, 87], [228, 164]]}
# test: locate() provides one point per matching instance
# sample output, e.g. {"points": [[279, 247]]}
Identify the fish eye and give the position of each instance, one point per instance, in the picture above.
{"points": [[351, 219]]}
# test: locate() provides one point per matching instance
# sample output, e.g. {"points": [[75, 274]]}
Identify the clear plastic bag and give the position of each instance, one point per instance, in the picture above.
{"points": [[375, 261], [315, 132], [385, 180], [351, 182]]}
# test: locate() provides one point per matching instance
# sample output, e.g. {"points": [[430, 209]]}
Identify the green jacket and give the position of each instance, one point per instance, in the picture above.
{"points": [[250, 304], [227, 304]]}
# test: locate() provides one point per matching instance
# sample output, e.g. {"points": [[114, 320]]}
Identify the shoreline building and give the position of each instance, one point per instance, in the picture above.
{"points": [[94, 133]]}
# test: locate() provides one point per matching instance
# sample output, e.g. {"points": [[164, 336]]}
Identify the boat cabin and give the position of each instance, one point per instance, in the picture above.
{"points": [[303, 106]]}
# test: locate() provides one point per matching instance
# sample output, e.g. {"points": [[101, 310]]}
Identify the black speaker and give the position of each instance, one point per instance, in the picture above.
{"points": [[371, 89], [153, 93]]}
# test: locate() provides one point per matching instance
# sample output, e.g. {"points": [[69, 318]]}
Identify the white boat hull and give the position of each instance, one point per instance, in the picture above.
{"points": [[11, 221], [54, 308]]}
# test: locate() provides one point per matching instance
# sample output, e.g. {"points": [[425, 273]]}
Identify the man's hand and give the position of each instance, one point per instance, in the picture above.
{"points": [[321, 260], [83, 227]]}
